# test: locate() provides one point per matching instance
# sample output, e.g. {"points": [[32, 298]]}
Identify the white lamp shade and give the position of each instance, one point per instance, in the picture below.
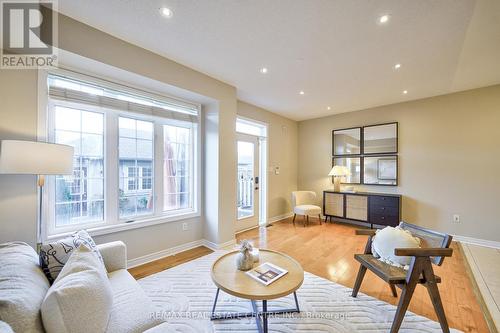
{"points": [[339, 171], [35, 158]]}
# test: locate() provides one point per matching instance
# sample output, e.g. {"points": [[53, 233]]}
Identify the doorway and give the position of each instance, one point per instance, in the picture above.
{"points": [[251, 167]]}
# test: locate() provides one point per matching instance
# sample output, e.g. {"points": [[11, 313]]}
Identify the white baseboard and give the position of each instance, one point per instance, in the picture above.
{"points": [[163, 253], [213, 246], [177, 249], [247, 229], [477, 241], [279, 217]]}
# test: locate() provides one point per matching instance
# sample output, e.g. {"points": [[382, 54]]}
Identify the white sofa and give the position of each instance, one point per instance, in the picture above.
{"points": [[23, 287]]}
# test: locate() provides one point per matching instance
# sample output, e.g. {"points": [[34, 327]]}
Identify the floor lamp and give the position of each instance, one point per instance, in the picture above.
{"points": [[36, 158]]}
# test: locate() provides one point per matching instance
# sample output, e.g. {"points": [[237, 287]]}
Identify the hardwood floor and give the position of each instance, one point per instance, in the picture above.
{"points": [[168, 262], [328, 250]]}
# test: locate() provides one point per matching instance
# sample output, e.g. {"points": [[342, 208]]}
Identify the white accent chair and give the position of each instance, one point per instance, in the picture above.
{"points": [[303, 204]]}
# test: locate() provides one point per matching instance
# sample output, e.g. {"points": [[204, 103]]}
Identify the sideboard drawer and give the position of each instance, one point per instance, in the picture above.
{"points": [[382, 219], [383, 210], [383, 201], [334, 204], [356, 207]]}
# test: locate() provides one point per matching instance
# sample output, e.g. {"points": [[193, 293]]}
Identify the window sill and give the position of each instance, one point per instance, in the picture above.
{"points": [[124, 226]]}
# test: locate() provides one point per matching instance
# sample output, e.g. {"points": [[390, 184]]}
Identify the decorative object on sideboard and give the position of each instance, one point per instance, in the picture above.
{"points": [[349, 189], [337, 173], [36, 158], [244, 259], [369, 152]]}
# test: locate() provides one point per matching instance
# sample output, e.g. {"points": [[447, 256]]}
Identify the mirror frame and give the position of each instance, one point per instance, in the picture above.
{"points": [[383, 152], [360, 168], [360, 141], [396, 157], [362, 153]]}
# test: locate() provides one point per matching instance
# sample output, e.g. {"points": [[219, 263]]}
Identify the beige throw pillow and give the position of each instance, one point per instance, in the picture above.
{"points": [[80, 299]]}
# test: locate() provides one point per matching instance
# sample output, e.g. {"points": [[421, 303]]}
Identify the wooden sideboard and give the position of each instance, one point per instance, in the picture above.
{"points": [[373, 208]]}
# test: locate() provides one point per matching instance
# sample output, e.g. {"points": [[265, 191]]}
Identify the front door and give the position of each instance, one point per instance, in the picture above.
{"points": [[248, 182]]}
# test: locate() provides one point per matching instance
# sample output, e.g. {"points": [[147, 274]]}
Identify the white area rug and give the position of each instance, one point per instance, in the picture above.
{"points": [[184, 296]]}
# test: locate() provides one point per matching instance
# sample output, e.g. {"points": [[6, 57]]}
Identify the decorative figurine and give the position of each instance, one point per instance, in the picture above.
{"points": [[244, 259]]}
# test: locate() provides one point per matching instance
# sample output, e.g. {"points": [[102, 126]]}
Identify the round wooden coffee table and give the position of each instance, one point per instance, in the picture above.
{"points": [[228, 278]]}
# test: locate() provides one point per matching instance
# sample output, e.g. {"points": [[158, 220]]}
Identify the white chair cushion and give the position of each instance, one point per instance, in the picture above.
{"points": [[387, 239], [22, 287], [80, 300], [307, 210]]}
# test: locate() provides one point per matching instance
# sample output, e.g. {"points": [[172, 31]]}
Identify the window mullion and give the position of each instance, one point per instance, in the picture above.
{"points": [[158, 169], [111, 168]]}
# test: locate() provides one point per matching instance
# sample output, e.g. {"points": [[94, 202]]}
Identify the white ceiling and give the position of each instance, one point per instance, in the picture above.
{"points": [[333, 50]]}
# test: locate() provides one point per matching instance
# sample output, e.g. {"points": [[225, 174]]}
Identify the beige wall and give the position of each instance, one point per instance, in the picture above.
{"points": [[282, 145], [449, 159], [18, 121]]}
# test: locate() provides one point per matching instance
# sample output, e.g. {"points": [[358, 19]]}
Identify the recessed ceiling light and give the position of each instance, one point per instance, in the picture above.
{"points": [[383, 19], [405, 92], [397, 66], [166, 12], [328, 108], [263, 70], [301, 92]]}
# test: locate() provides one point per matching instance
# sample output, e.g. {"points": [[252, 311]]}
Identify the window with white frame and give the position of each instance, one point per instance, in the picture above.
{"points": [[80, 197], [136, 155]]}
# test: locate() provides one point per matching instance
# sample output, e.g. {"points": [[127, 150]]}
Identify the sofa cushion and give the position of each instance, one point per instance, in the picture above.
{"points": [[54, 255], [80, 300], [390, 238], [22, 287], [133, 310]]}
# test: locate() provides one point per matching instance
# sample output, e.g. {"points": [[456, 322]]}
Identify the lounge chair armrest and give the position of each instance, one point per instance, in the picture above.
{"points": [[424, 252], [365, 232]]}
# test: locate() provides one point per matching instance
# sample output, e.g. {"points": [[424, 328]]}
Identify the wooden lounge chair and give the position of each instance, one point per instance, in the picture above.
{"points": [[435, 246]]}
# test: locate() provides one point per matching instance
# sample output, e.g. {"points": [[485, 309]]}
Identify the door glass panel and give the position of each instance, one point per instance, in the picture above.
{"points": [[245, 179]]}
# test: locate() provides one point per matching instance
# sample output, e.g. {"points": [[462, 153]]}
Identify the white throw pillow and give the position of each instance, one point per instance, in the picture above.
{"points": [[387, 239], [80, 300], [5, 328]]}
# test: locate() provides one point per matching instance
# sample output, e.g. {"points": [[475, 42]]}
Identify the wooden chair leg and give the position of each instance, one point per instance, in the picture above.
{"points": [[319, 218], [304, 221], [359, 279], [407, 293], [433, 291], [307, 219], [404, 301], [393, 290], [294, 216]]}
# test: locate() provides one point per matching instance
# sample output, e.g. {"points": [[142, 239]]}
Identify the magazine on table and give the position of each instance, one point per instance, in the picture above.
{"points": [[266, 273]]}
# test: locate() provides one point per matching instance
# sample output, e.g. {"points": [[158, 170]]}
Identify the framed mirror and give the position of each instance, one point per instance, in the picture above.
{"points": [[380, 139], [380, 170], [354, 166], [346, 141]]}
